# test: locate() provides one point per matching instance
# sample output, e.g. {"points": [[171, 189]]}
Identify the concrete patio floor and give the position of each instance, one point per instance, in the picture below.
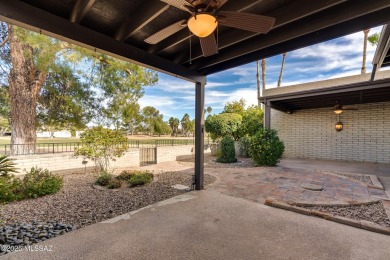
{"points": [[229, 221], [210, 225]]}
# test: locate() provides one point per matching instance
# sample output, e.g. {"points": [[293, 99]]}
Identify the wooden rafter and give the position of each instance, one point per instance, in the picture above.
{"points": [[80, 9]]}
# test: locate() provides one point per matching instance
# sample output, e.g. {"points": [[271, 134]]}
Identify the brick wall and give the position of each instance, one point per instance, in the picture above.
{"points": [[311, 134], [66, 161], [172, 153]]}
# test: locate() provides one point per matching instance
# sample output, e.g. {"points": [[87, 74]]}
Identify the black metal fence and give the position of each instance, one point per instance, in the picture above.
{"points": [[52, 148]]}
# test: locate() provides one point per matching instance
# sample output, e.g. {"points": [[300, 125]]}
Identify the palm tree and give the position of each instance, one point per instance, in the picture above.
{"points": [[365, 51], [209, 110], [258, 83], [263, 72], [281, 69], [373, 39], [184, 123], [176, 123], [171, 124]]}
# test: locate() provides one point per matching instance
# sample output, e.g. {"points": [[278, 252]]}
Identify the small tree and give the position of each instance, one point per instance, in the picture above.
{"points": [[228, 153], [223, 124], [102, 145], [266, 148], [252, 121]]}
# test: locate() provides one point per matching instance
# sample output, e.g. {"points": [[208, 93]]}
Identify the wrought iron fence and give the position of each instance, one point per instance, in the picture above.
{"points": [[52, 148]]}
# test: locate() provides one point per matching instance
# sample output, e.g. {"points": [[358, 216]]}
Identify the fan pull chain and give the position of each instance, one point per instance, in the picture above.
{"points": [[190, 47]]}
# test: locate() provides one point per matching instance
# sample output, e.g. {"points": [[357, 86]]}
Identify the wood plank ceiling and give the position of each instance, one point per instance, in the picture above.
{"points": [[124, 24]]}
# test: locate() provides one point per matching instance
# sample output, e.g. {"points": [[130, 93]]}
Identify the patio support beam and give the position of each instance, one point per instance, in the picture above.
{"points": [[267, 114], [35, 19], [80, 10], [373, 72], [199, 135]]}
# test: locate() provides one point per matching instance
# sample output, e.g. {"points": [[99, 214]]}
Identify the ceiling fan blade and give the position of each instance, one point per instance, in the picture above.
{"points": [[209, 45], [245, 21], [166, 32], [181, 4]]}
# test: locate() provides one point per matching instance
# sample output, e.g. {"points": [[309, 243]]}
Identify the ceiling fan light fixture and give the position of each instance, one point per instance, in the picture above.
{"points": [[339, 126], [338, 111], [202, 25]]}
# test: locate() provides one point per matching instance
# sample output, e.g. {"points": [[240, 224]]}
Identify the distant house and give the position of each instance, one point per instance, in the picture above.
{"points": [[311, 126]]}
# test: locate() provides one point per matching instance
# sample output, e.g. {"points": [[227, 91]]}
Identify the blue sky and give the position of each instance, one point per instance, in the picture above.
{"points": [[332, 59]]}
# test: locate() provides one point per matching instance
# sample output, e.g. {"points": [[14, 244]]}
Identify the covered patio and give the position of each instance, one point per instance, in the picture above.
{"points": [[120, 27]]}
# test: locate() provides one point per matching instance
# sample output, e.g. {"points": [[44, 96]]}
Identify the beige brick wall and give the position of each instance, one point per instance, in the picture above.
{"points": [[66, 161], [172, 153], [310, 133]]}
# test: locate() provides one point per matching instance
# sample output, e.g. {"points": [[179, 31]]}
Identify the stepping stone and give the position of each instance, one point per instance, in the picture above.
{"points": [[180, 187], [311, 186]]}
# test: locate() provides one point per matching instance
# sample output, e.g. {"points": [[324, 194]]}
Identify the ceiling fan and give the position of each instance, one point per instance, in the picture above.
{"points": [[338, 108], [204, 19]]}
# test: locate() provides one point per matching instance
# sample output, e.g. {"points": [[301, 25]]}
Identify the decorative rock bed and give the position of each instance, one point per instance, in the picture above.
{"points": [[374, 212], [358, 177], [211, 162], [366, 215], [78, 204], [17, 236]]}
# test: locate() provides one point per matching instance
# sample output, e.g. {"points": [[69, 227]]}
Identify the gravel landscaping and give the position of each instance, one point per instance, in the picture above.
{"points": [[211, 162], [19, 235], [78, 204], [373, 212], [362, 178]]}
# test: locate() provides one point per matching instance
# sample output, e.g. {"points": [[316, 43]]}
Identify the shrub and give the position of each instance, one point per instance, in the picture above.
{"points": [[6, 165], [266, 148], [223, 125], [104, 178], [38, 182], [252, 121], [228, 153], [125, 175], [102, 145], [10, 189], [114, 184], [140, 179], [244, 147]]}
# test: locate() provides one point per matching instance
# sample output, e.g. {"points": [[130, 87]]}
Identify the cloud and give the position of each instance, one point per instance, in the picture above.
{"points": [[336, 58]]}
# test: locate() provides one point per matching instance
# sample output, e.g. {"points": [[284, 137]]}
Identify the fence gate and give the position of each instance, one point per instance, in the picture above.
{"points": [[148, 155]]}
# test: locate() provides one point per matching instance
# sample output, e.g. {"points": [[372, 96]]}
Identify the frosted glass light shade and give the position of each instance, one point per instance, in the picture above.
{"points": [[202, 25]]}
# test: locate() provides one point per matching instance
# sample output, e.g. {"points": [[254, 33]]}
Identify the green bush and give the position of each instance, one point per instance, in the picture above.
{"points": [[114, 184], [6, 165], [38, 182], [228, 153], [140, 179], [104, 179], [244, 147], [266, 148], [10, 189], [223, 125], [125, 175]]}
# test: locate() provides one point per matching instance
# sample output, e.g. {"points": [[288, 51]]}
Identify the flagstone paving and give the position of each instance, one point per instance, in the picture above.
{"points": [[258, 183]]}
